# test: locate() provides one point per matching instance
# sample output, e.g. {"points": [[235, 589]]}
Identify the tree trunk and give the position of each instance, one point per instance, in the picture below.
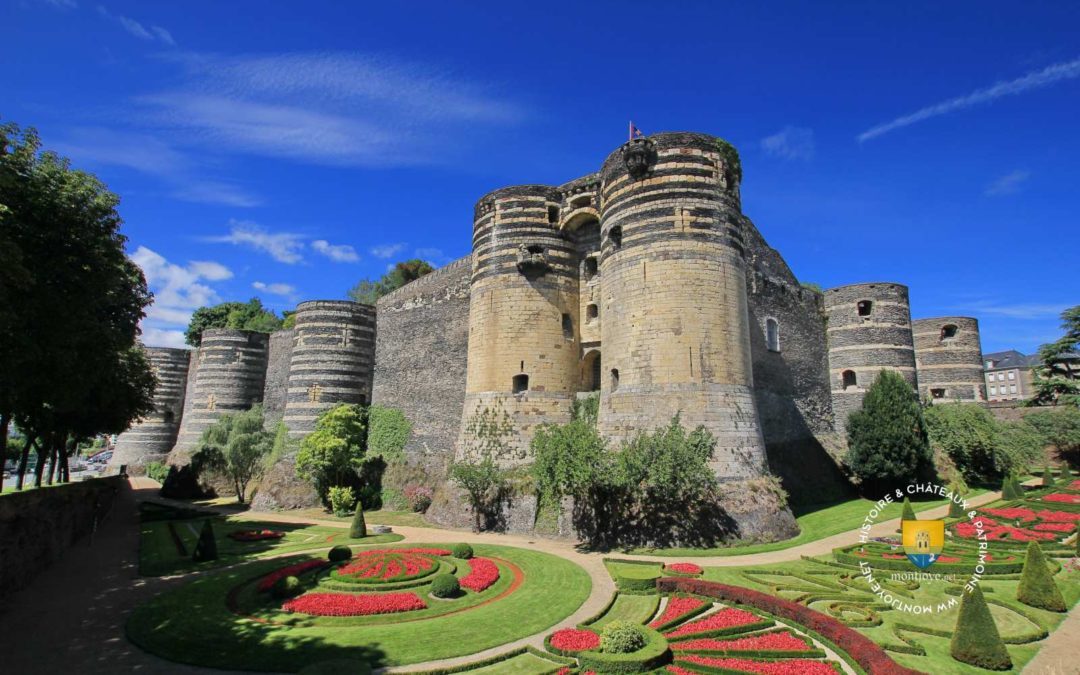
{"points": [[52, 465], [65, 468], [24, 459], [41, 454], [4, 421]]}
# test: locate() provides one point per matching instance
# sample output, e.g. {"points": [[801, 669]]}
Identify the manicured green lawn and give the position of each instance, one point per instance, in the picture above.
{"points": [[522, 664], [815, 522], [193, 624], [392, 518], [633, 608]]}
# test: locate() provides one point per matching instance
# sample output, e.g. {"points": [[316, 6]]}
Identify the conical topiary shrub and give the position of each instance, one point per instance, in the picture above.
{"points": [[1037, 587], [358, 529], [206, 547], [907, 513], [976, 640], [1018, 487], [1048, 477], [1008, 490], [956, 509]]}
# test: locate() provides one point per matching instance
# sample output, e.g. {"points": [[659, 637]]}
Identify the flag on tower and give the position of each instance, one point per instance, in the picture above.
{"points": [[635, 132]]}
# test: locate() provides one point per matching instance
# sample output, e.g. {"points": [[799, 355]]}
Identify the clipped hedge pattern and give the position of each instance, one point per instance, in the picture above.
{"points": [[653, 655]]}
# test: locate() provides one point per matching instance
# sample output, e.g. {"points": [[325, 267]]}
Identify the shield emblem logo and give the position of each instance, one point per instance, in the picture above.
{"points": [[923, 541]]}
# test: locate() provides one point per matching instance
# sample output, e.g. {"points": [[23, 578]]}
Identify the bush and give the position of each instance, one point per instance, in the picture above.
{"points": [[1059, 427], [445, 586], [621, 637], [333, 453], [158, 471], [358, 528], [1048, 477], [968, 434], [388, 432], [286, 587], [339, 553], [1037, 587], [1017, 487], [1020, 446], [341, 500], [463, 551], [653, 654], [418, 497], [956, 510], [887, 441], [976, 640], [907, 513], [1008, 488], [206, 547]]}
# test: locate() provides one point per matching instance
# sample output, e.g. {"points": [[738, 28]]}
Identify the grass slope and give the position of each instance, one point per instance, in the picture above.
{"points": [[633, 608]]}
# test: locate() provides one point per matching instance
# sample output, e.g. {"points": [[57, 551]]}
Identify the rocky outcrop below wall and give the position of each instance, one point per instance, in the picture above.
{"points": [[281, 489], [38, 526]]}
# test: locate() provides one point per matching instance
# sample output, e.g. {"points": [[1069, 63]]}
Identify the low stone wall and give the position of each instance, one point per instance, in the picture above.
{"points": [[38, 526]]}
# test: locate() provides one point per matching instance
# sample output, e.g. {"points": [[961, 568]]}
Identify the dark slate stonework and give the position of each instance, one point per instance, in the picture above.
{"points": [[421, 345], [277, 377], [150, 439]]}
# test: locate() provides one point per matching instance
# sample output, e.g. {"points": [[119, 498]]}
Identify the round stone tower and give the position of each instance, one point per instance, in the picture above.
{"points": [[151, 438], [523, 335], [229, 376], [869, 330], [332, 360], [948, 356], [674, 320]]}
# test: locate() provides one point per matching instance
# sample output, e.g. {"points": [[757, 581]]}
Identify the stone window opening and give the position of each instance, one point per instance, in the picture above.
{"points": [[772, 335], [592, 312], [937, 393], [614, 379], [169, 416], [591, 267], [595, 373], [567, 327], [553, 214], [865, 307], [949, 331], [615, 235], [581, 202], [521, 383], [849, 380]]}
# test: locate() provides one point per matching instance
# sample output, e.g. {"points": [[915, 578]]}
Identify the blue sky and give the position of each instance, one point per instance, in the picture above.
{"points": [[286, 150]]}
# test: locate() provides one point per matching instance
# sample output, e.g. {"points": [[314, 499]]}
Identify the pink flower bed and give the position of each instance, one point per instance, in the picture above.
{"points": [[1055, 527], [786, 667], [574, 640], [725, 618], [684, 568], [268, 581], [255, 535], [777, 642], [349, 604], [482, 574], [387, 565], [1062, 498], [1075, 485], [677, 607]]}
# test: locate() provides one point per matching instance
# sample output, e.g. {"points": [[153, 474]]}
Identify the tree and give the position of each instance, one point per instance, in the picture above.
{"points": [[358, 527], [668, 464], [568, 459], [482, 480], [250, 315], [235, 446], [980, 447], [887, 441], [368, 291], [333, 453], [1008, 488], [976, 640], [1057, 378], [1060, 428], [1037, 587]]}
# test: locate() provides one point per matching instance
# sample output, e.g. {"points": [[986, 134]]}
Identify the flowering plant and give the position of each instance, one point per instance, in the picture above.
{"points": [[419, 497], [1063, 498], [684, 568], [377, 566], [726, 618], [785, 667], [574, 640], [776, 642], [354, 604], [255, 535], [677, 608], [482, 574], [295, 570]]}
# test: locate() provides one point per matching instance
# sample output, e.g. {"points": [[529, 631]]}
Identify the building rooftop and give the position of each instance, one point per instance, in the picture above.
{"points": [[1010, 359]]}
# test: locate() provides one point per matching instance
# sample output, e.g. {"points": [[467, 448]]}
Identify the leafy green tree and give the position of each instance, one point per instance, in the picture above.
{"points": [[483, 481], [1060, 428], [368, 291], [568, 459], [333, 453], [250, 315], [668, 463], [887, 441], [1037, 587], [1057, 379], [235, 447], [967, 433], [1019, 446], [976, 640]]}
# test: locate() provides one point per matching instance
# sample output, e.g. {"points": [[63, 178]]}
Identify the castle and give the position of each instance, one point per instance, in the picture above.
{"points": [[643, 282]]}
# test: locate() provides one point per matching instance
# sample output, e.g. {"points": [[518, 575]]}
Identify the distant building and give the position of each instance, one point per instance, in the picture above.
{"points": [[1009, 375]]}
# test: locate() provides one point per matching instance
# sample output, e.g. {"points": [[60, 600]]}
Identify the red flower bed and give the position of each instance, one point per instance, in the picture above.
{"points": [[574, 640], [778, 642], [1012, 513], [483, 573], [1075, 485], [295, 570], [1062, 497], [869, 655], [684, 568], [349, 604], [728, 617], [893, 556], [785, 667], [1058, 516], [1055, 527], [387, 565], [678, 607], [946, 559], [1001, 532], [255, 535]]}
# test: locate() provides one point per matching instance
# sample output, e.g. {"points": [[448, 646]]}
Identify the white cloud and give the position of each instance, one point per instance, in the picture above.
{"points": [[1034, 80], [284, 247], [284, 290], [159, 337], [434, 256], [387, 250], [62, 4], [336, 252], [148, 34], [1020, 310], [1008, 184], [212, 192], [163, 35], [210, 270], [790, 143], [178, 290]]}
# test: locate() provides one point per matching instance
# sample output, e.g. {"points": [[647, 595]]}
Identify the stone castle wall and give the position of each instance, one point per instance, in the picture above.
{"points": [[948, 356], [151, 438], [277, 377]]}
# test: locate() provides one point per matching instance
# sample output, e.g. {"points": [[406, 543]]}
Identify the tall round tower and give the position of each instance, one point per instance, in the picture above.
{"points": [[674, 310], [869, 330], [948, 356], [332, 360], [523, 334], [229, 378], [151, 438]]}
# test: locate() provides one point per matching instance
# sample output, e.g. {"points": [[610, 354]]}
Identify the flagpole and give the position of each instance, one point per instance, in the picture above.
{"points": [[630, 131]]}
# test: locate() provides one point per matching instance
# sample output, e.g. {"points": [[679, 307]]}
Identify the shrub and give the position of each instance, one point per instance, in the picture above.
{"points": [[621, 637], [1037, 587], [157, 471], [1059, 427], [339, 553], [956, 509], [887, 440], [976, 640], [967, 433], [653, 654], [286, 587], [418, 497], [1018, 487], [341, 500], [358, 528], [332, 453], [907, 513], [1048, 477], [388, 432], [1020, 446], [445, 586], [1008, 489], [206, 547], [463, 551]]}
